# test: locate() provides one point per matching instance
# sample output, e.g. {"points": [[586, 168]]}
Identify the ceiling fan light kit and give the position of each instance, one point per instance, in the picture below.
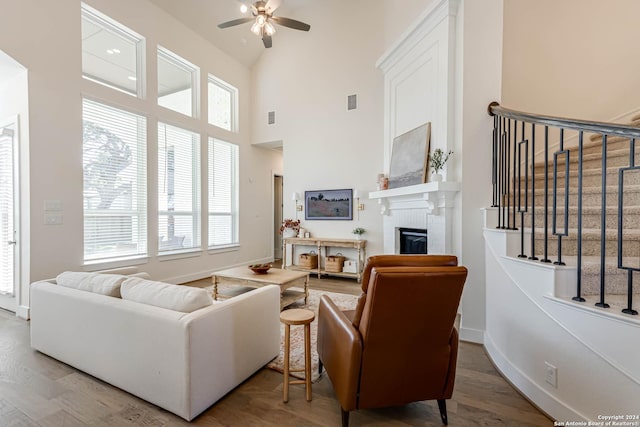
{"points": [[263, 23]]}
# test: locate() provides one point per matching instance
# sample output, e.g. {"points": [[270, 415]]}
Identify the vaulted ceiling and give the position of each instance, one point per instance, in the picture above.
{"points": [[203, 17]]}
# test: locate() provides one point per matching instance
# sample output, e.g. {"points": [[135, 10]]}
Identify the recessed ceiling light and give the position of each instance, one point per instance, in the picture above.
{"points": [[116, 50], [243, 8], [110, 51], [132, 78]]}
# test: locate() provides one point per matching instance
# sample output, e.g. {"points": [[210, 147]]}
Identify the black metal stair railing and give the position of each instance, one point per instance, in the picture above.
{"points": [[514, 189]]}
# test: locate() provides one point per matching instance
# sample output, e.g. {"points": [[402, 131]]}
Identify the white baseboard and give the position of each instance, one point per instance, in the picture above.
{"points": [[472, 335], [556, 409]]}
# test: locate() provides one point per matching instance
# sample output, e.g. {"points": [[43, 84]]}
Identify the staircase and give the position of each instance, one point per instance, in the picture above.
{"points": [[598, 260], [574, 359]]}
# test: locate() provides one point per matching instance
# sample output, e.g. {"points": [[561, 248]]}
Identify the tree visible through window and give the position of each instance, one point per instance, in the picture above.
{"points": [[107, 156], [114, 176]]}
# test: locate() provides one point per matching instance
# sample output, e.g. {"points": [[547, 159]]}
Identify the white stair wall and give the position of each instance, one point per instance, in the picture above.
{"points": [[529, 323]]}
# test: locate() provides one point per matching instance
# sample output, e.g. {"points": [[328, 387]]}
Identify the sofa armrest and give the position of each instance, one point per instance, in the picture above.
{"points": [[229, 341], [340, 350]]}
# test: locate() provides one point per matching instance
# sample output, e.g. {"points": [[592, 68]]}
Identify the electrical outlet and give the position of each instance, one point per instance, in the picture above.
{"points": [[551, 374]]}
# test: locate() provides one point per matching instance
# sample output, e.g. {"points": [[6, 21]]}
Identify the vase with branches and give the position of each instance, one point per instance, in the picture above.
{"points": [[437, 160]]}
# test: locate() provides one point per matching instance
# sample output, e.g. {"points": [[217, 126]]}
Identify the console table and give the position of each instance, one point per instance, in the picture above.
{"points": [[320, 244]]}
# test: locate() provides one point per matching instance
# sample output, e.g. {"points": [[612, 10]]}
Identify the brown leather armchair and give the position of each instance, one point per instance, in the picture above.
{"points": [[399, 345]]}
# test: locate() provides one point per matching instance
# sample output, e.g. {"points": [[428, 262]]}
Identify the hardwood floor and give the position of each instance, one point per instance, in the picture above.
{"points": [[36, 390]]}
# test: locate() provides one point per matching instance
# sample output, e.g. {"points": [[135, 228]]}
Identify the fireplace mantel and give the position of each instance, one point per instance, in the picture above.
{"points": [[431, 196]]}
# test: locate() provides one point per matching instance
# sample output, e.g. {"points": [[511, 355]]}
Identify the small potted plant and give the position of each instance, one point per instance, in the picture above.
{"points": [[290, 227], [437, 160], [358, 231]]}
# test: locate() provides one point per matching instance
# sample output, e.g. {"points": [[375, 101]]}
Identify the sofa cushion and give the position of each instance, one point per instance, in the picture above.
{"points": [[105, 284], [185, 299]]}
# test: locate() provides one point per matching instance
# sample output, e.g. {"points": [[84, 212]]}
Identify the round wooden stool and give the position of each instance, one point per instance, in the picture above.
{"points": [[297, 316]]}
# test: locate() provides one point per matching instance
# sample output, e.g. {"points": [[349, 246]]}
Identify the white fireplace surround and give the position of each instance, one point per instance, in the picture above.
{"points": [[419, 75], [429, 206]]}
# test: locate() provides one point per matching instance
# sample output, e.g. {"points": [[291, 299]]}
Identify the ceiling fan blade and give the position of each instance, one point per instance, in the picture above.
{"points": [[267, 41], [291, 23], [235, 22]]}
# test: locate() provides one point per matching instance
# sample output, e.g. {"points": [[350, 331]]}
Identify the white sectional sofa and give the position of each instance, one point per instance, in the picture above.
{"points": [[181, 361]]}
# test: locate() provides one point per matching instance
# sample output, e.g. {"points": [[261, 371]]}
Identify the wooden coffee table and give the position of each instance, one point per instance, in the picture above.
{"points": [[242, 276]]}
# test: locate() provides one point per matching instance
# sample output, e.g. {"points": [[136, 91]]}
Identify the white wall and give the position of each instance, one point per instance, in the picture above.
{"points": [[306, 78], [479, 62], [45, 38], [595, 353], [580, 64]]}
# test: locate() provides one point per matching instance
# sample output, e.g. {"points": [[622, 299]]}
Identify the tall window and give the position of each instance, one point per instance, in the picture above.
{"points": [[115, 182], [223, 104], [223, 193], [111, 53], [177, 83], [178, 189]]}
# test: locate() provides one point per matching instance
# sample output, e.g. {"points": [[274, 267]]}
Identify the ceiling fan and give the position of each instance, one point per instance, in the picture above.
{"points": [[263, 20]]}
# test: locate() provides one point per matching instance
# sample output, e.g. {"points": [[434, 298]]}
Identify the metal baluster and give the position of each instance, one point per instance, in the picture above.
{"points": [[501, 173], [501, 210], [603, 222], [630, 270], [507, 182], [522, 211], [515, 147], [545, 257], [578, 296], [533, 193], [494, 161], [565, 231]]}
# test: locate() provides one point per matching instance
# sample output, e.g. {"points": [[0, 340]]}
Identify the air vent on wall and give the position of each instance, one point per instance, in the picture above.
{"points": [[272, 117], [352, 102]]}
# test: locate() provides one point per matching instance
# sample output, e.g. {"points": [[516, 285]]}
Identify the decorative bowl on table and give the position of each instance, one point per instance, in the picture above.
{"points": [[260, 268]]}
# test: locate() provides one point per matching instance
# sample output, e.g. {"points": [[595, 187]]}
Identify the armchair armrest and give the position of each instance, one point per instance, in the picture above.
{"points": [[340, 350]]}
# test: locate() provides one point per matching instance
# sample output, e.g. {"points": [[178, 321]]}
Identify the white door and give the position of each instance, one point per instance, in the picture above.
{"points": [[8, 215]]}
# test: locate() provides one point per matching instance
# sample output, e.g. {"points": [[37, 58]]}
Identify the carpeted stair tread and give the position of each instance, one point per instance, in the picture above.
{"points": [[591, 233], [574, 173], [592, 210], [611, 189], [611, 154]]}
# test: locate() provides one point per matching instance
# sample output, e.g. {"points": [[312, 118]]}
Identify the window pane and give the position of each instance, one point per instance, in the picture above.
{"points": [[114, 170], [220, 230], [110, 52], [222, 100], [223, 193], [178, 188], [176, 83]]}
